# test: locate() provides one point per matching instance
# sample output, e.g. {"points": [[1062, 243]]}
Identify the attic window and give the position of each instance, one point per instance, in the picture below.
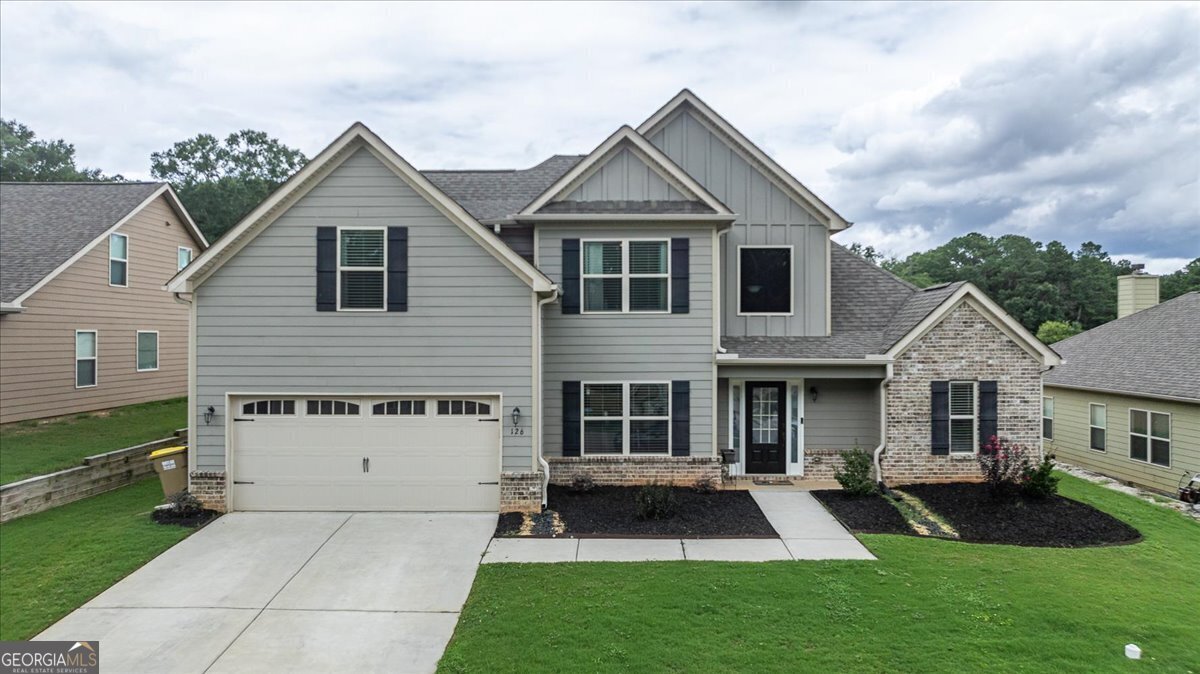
{"points": [[764, 280], [361, 269]]}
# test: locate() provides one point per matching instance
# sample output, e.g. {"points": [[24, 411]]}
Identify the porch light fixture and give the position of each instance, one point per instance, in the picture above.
{"points": [[812, 392], [209, 414], [516, 416]]}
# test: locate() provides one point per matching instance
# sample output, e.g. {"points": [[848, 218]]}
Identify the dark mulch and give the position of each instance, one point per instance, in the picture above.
{"points": [[509, 524], [192, 520], [863, 514], [1053, 522], [612, 511]]}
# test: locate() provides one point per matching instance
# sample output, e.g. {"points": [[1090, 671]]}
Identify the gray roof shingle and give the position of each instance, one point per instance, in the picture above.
{"points": [[606, 207], [43, 224], [495, 195], [1154, 352], [872, 310]]}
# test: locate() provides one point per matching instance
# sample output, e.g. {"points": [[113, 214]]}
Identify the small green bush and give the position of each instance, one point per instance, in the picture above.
{"points": [[184, 504], [1038, 481], [656, 502], [855, 474]]}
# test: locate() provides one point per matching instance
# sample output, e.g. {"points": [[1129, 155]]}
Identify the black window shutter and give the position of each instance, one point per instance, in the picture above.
{"points": [[327, 269], [397, 269], [939, 407], [679, 276], [570, 418], [570, 276], [987, 411], [681, 418]]}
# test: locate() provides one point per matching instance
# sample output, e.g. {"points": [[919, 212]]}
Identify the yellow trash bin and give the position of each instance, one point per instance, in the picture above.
{"points": [[171, 465]]}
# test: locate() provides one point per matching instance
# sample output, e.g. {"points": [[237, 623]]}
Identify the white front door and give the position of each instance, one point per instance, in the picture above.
{"points": [[365, 453]]}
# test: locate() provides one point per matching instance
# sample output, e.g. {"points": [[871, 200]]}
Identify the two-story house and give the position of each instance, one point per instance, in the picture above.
{"points": [[85, 323], [376, 337]]}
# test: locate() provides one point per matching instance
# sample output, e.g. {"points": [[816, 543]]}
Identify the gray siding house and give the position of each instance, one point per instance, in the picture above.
{"points": [[375, 337]]}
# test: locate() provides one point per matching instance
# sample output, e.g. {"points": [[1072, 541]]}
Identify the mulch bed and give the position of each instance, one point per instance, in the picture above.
{"points": [[863, 514], [169, 516], [1053, 522], [612, 511]]}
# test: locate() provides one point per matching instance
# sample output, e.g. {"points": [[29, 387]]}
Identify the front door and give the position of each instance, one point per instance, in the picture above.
{"points": [[765, 434]]}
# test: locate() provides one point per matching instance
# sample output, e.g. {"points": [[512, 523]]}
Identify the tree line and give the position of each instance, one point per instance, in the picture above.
{"points": [[1052, 290]]}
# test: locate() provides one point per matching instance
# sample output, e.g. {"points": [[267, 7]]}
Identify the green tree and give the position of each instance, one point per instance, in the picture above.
{"points": [[24, 158], [1056, 331], [1182, 281], [220, 181]]}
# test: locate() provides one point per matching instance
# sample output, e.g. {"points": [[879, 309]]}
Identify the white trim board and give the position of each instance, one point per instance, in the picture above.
{"points": [[355, 137], [749, 151], [659, 162]]}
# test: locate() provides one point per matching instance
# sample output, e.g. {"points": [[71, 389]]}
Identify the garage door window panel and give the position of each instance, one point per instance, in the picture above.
{"points": [[464, 408], [399, 408], [332, 407], [271, 407]]}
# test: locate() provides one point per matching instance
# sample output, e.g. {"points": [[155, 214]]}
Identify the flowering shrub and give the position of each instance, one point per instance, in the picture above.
{"points": [[1004, 465]]}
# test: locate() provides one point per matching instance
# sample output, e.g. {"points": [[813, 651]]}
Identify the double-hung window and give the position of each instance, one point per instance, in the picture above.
{"points": [[118, 260], [85, 358], [963, 421], [1150, 437], [1098, 426], [631, 276], [764, 280], [183, 256], [147, 350], [1047, 418], [362, 269], [626, 418]]}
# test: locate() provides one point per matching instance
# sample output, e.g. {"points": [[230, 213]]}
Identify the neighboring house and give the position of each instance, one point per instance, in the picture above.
{"points": [[85, 321], [375, 337], [1126, 400]]}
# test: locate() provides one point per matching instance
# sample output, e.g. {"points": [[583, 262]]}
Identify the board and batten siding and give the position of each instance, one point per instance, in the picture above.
{"points": [[1072, 437], [766, 216], [37, 346], [468, 328], [624, 176], [630, 347]]}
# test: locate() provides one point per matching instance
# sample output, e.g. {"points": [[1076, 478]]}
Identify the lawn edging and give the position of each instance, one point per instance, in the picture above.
{"points": [[99, 473]]}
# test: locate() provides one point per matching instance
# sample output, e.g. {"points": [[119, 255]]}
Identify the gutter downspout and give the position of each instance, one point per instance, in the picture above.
{"points": [[717, 295], [882, 425], [541, 378]]}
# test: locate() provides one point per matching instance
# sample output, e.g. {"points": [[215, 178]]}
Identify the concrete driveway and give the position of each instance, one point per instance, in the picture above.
{"points": [[295, 592]]}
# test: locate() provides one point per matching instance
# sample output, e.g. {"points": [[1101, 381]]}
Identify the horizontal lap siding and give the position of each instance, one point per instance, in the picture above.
{"points": [[844, 416], [468, 327], [1072, 437], [37, 346], [631, 347]]}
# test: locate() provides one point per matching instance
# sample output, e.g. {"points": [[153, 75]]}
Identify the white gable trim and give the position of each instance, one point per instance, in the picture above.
{"points": [[163, 191], [976, 299], [357, 136], [749, 151], [652, 156]]}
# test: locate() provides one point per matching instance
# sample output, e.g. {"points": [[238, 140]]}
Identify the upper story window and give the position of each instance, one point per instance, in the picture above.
{"points": [[631, 276], [362, 269], [118, 260], [765, 280], [183, 257]]}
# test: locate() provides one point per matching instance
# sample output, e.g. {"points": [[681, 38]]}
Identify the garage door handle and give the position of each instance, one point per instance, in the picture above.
{"points": [[487, 420], [242, 482], [489, 483], [240, 419]]}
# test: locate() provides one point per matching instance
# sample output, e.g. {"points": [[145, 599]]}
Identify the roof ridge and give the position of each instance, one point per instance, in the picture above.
{"points": [[83, 182], [877, 268], [506, 170]]}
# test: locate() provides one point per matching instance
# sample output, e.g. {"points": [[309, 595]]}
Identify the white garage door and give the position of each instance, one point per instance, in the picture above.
{"points": [[326, 453]]}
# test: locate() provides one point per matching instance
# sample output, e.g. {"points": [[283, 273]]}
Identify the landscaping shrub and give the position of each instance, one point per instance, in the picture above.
{"points": [[855, 475], [1004, 465], [582, 484], [655, 502], [705, 485], [184, 504], [1039, 482]]}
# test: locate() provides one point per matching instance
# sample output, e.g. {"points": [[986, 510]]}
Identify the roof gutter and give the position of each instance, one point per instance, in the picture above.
{"points": [[11, 308], [733, 359], [641, 218]]}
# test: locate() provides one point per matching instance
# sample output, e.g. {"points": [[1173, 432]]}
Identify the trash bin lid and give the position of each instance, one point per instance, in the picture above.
{"points": [[167, 451]]}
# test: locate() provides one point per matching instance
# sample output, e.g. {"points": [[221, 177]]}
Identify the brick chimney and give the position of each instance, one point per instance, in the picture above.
{"points": [[1136, 291]]}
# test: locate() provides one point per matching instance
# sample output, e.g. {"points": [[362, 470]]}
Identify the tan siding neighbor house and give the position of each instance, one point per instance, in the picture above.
{"points": [[86, 321]]}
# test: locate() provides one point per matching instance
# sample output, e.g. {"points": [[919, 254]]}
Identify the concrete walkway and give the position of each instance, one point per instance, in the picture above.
{"points": [[806, 530], [294, 592]]}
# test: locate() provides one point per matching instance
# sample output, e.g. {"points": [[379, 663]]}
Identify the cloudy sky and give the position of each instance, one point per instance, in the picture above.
{"points": [[918, 122]]}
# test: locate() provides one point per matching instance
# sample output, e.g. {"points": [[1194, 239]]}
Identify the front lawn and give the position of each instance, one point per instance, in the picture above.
{"points": [[53, 562], [29, 448], [927, 605]]}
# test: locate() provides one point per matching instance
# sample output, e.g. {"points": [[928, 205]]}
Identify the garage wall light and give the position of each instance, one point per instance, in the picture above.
{"points": [[209, 414], [516, 416]]}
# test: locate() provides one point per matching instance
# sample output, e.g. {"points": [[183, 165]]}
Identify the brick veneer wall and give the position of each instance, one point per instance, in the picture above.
{"points": [[626, 471], [819, 464], [520, 492], [964, 346], [209, 488]]}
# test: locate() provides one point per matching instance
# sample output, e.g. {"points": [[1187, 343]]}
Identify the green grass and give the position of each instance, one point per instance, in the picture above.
{"points": [[55, 561], [29, 448], [927, 605]]}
